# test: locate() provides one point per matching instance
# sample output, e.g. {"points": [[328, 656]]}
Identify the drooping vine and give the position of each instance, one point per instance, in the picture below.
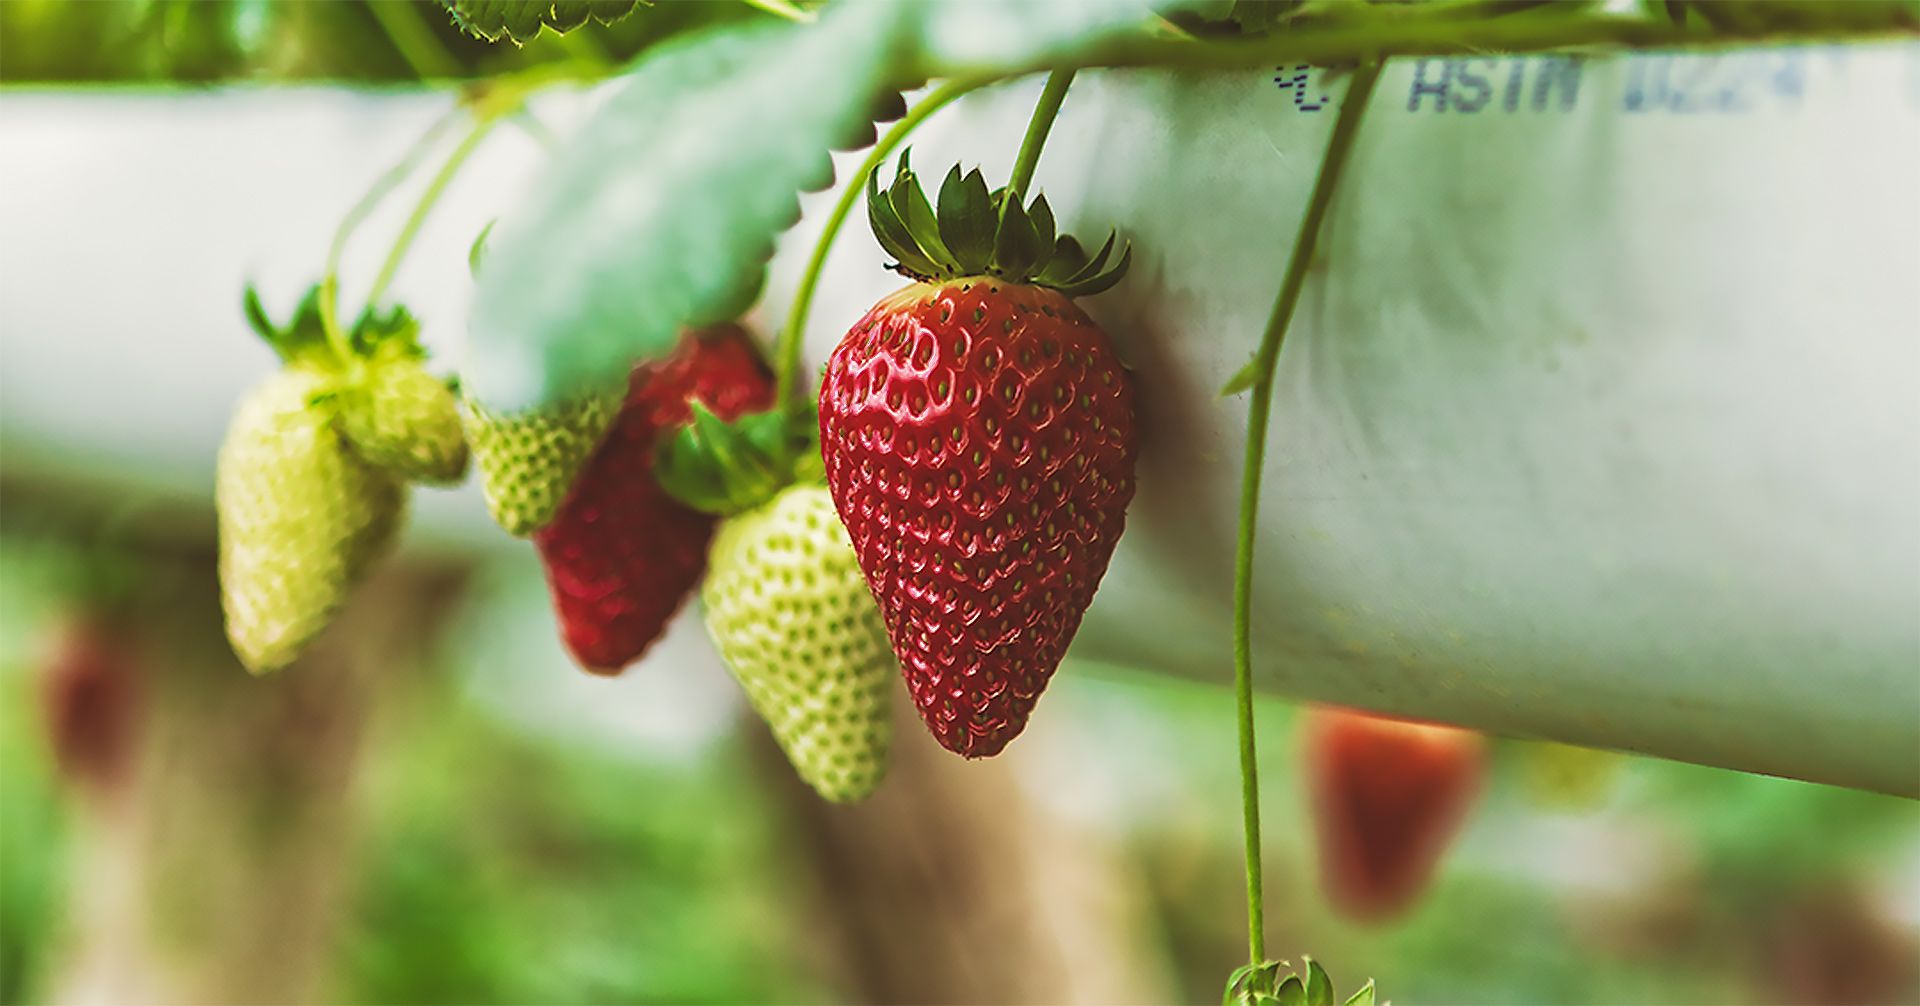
{"points": [[1259, 378]]}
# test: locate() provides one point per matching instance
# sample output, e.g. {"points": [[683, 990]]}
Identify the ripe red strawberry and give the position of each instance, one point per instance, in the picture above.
{"points": [[978, 433], [622, 555], [1388, 797]]}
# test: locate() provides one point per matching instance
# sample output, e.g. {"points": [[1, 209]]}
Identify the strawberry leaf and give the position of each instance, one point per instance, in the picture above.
{"points": [[519, 21], [662, 211]]}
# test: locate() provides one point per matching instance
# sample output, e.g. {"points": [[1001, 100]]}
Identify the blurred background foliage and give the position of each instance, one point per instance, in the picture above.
{"points": [[277, 41], [493, 857]]}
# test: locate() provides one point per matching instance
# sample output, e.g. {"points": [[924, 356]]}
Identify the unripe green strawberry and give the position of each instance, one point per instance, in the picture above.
{"points": [[790, 614], [528, 462], [301, 516], [405, 420]]}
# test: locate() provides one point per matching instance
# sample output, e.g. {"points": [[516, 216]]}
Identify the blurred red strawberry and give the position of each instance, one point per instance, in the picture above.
{"points": [[1388, 797], [622, 554], [91, 696]]}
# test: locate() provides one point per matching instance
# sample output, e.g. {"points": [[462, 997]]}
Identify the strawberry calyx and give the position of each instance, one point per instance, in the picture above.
{"points": [[302, 341], [974, 232], [725, 468]]}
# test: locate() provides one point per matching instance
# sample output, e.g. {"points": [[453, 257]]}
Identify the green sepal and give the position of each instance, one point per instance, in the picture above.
{"points": [[722, 467], [1292, 992], [974, 232], [1363, 996], [1319, 986], [910, 206], [965, 217], [1015, 246], [477, 252], [892, 232], [303, 339]]}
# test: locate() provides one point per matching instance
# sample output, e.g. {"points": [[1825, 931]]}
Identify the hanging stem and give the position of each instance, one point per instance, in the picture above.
{"points": [[787, 352], [424, 207], [1038, 127], [1324, 185], [330, 282]]}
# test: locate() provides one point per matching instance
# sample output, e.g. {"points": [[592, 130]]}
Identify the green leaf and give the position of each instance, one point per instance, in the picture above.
{"points": [[662, 212], [1241, 381], [519, 21], [478, 250], [1291, 992], [1319, 986], [1363, 996]]}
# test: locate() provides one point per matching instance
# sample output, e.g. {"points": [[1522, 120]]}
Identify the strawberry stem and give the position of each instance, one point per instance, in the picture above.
{"points": [[424, 207], [330, 283], [1331, 166], [787, 352], [1037, 129]]}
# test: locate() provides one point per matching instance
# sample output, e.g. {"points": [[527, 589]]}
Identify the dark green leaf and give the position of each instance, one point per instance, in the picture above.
{"points": [[520, 20]]}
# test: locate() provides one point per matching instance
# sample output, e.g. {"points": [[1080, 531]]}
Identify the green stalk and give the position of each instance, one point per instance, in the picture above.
{"points": [[1037, 129], [413, 39], [330, 281], [434, 190], [1324, 185], [787, 351]]}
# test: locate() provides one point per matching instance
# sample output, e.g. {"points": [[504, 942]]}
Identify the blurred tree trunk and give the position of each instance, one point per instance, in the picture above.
{"points": [[950, 885], [217, 874]]}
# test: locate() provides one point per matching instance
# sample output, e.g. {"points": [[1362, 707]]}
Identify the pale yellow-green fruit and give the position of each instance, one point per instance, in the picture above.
{"points": [[789, 611], [402, 418], [301, 517]]}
